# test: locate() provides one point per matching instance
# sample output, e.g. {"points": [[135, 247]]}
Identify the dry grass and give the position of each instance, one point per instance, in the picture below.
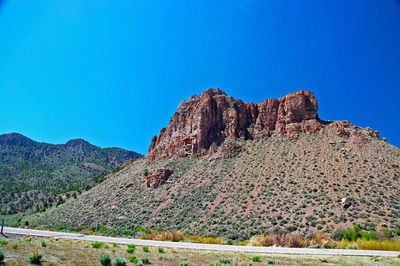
{"points": [[390, 245], [205, 240], [175, 236], [294, 240], [68, 252]]}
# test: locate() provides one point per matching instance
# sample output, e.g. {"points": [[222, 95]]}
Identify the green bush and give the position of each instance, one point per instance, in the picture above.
{"points": [[146, 172], [35, 258], [139, 264], [1, 256], [185, 263], [256, 258], [130, 250], [146, 249], [145, 260], [105, 260], [350, 235], [270, 261], [161, 250], [119, 262], [323, 260], [43, 244], [225, 261], [370, 235], [133, 258], [97, 244], [15, 246], [4, 242]]}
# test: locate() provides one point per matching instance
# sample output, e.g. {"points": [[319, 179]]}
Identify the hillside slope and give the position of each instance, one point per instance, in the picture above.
{"points": [[31, 172], [246, 186]]}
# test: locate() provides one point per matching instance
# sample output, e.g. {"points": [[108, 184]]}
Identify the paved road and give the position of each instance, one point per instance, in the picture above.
{"points": [[185, 245]]}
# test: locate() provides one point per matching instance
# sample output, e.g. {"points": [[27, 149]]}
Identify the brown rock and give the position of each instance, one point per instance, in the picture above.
{"points": [[213, 116], [158, 177]]}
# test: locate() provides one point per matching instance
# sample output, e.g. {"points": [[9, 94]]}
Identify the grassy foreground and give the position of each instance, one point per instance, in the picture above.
{"points": [[69, 252]]}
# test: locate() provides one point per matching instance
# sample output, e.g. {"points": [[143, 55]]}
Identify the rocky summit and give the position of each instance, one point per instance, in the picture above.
{"points": [[213, 116], [232, 169]]}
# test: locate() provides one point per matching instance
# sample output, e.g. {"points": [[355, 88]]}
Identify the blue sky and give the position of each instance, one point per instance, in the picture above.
{"points": [[114, 72]]}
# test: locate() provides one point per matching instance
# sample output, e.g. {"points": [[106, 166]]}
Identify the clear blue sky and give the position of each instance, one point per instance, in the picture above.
{"points": [[114, 72]]}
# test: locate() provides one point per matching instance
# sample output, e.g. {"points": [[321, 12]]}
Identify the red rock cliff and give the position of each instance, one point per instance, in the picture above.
{"points": [[213, 116]]}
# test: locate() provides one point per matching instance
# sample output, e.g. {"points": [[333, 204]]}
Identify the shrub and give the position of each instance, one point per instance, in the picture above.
{"points": [[146, 172], [139, 264], [132, 246], [4, 242], [119, 262], [15, 246], [177, 236], [185, 263], [1, 256], [97, 244], [115, 245], [133, 258], [161, 250], [130, 250], [270, 261], [256, 258], [105, 260], [386, 232], [145, 260], [225, 261], [323, 260], [146, 249], [35, 257], [370, 235], [43, 244], [350, 235]]}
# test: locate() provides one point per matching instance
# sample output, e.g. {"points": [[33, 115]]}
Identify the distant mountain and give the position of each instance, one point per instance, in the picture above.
{"points": [[232, 169], [33, 173]]}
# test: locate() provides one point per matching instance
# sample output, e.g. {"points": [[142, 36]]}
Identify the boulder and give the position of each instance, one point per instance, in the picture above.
{"points": [[158, 177]]}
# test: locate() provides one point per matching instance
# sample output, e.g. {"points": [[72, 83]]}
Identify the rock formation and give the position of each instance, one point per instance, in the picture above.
{"points": [[214, 116], [158, 177]]}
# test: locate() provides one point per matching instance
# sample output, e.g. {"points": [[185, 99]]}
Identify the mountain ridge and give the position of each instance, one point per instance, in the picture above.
{"points": [[27, 165]]}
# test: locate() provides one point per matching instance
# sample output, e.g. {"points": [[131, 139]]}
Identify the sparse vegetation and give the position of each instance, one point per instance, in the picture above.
{"points": [[145, 260], [270, 260], [119, 262], [97, 244], [133, 258], [161, 250], [105, 260], [35, 257], [256, 258], [146, 249]]}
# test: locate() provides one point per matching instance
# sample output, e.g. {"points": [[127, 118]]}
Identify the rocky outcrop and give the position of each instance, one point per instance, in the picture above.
{"points": [[214, 116], [158, 177]]}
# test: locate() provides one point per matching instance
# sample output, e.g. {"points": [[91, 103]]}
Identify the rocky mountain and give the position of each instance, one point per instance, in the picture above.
{"points": [[33, 173], [212, 117], [231, 169]]}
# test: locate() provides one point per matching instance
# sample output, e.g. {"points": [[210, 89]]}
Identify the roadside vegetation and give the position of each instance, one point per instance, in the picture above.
{"points": [[70, 252]]}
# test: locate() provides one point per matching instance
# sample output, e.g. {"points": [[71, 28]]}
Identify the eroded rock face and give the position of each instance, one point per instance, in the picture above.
{"points": [[158, 177], [214, 116]]}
